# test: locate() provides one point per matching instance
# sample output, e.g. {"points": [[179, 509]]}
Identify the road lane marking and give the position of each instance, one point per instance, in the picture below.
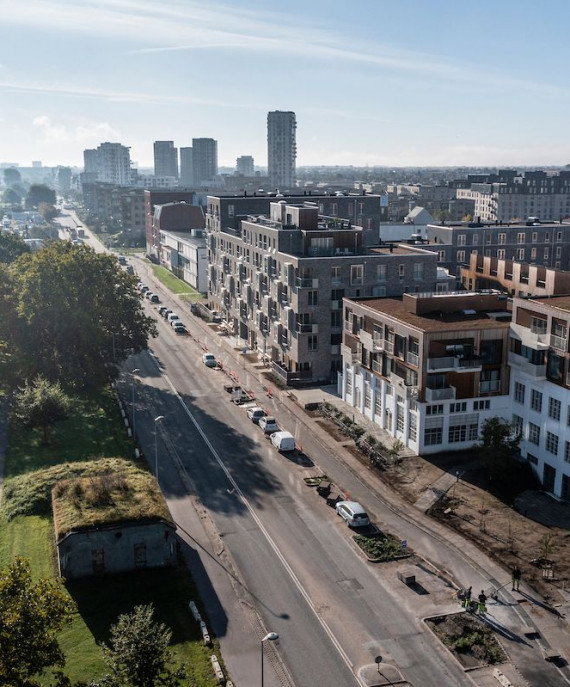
{"points": [[265, 533]]}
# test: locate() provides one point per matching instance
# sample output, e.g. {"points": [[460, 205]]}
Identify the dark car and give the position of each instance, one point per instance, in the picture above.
{"points": [[154, 298], [180, 329]]}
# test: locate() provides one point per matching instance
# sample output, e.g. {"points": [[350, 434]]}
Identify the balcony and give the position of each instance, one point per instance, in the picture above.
{"points": [[446, 394], [525, 365], [288, 377], [303, 328], [537, 339], [348, 355], [559, 342], [453, 364], [304, 283], [377, 367], [490, 386]]}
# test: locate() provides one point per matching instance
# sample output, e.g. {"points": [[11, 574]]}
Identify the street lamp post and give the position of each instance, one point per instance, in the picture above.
{"points": [[133, 373], [269, 637], [156, 421]]}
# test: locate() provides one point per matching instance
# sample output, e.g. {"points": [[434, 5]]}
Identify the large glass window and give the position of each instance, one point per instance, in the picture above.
{"points": [[552, 443], [534, 434], [519, 393], [536, 400], [433, 436], [554, 408]]}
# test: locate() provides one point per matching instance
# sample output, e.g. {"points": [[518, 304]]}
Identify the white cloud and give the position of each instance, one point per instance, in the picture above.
{"points": [[84, 132]]}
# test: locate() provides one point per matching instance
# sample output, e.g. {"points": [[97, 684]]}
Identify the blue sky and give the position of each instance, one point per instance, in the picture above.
{"points": [[415, 82]]}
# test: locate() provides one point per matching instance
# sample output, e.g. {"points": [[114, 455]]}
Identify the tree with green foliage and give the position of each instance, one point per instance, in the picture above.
{"points": [[47, 211], [12, 198], [138, 653], [12, 176], [40, 193], [77, 310], [11, 246], [499, 448], [31, 616], [40, 403]]}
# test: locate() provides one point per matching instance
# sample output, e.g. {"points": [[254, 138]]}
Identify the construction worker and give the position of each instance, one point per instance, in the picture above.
{"points": [[482, 598], [467, 598], [516, 574]]}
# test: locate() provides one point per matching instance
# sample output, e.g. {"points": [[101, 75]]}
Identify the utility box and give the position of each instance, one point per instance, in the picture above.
{"points": [[408, 577]]}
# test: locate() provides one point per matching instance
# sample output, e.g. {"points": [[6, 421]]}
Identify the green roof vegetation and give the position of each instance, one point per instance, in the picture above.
{"points": [[109, 498]]}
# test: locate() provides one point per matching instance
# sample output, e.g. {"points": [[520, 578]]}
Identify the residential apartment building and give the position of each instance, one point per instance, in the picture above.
{"points": [[152, 198], [245, 166], [515, 278], [510, 195], [428, 368], [225, 212], [282, 149], [165, 159], [540, 388], [204, 160], [111, 162], [541, 243], [186, 167], [279, 281]]}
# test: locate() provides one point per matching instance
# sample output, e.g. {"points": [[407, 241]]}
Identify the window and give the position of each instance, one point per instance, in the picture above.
{"points": [[357, 275], [520, 253], [401, 271], [335, 273], [458, 407], [413, 425], [533, 253], [552, 443], [461, 239], [567, 451], [312, 297], [559, 236], [380, 273], [521, 237], [433, 436], [463, 432], [475, 239], [313, 342], [532, 459], [441, 256], [546, 253], [482, 405], [399, 418], [460, 256], [554, 408], [418, 271], [348, 382], [558, 253], [368, 397], [534, 434], [231, 210], [434, 410], [534, 237], [536, 400], [378, 403], [502, 239], [501, 253], [517, 425]]}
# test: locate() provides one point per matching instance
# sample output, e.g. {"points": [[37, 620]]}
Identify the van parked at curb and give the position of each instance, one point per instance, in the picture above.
{"points": [[283, 441]]}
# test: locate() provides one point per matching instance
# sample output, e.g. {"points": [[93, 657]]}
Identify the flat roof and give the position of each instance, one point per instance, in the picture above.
{"points": [[559, 302], [434, 321]]}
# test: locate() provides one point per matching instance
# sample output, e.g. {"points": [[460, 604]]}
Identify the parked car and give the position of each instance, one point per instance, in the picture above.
{"points": [[240, 396], [166, 312], [144, 288], [172, 316], [180, 329], [283, 441], [176, 321], [148, 294], [161, 310], [268, 424], [209, 360], [154, 298], [255, 414], [122, 260], [130, 269], [352, 513]]}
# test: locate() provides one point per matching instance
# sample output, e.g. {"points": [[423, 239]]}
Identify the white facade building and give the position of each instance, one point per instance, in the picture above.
{"points": [[186, 255]]}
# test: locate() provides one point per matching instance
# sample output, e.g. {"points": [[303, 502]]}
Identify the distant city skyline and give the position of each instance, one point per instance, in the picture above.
{"points": [[441, 84]]}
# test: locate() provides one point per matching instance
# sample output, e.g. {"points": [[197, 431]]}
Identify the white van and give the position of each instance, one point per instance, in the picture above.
{"points": [[283, 441], [172, 316]]}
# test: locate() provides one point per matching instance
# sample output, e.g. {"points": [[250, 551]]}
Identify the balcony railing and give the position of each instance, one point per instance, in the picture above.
{"points": [[527, 366], [452, 363], [303, 328], [288, 377], [446, 394], [489, 386], [306, 283]]}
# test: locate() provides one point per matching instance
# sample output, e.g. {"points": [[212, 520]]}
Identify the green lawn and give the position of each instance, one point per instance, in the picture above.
{"points": [[174, 284], [94, 430]]}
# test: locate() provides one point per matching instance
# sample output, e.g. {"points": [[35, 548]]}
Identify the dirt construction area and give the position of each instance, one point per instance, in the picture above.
{"points": [[542, 551]]}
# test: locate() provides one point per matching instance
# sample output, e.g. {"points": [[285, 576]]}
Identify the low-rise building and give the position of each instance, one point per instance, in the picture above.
{"points": [[428, 368]]}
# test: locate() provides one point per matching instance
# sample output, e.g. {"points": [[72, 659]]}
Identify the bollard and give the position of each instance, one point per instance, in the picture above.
{"points": [[218, 672], [129, 433], [195, 612]]}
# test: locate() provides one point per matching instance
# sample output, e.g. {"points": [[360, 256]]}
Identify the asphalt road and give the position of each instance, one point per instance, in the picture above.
{"points": [[296, 562]]}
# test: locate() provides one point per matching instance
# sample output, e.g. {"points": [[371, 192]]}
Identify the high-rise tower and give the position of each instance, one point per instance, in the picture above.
{"points": [[204, 159], [165, 159], [281, 149]]}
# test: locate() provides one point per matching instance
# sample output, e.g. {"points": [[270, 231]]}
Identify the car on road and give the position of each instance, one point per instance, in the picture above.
{"points": [[130, 270], [154, 298], [283, 441], [255, 414], [209, 360], [175, 322], [268, 424], [352, 513], [148, 294], [179, 328], [172, 316], [161, 310], [166, 312], [143, 287]]}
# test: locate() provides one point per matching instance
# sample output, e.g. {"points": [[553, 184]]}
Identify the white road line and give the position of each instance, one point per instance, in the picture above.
{"points": [[265, 533]]}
